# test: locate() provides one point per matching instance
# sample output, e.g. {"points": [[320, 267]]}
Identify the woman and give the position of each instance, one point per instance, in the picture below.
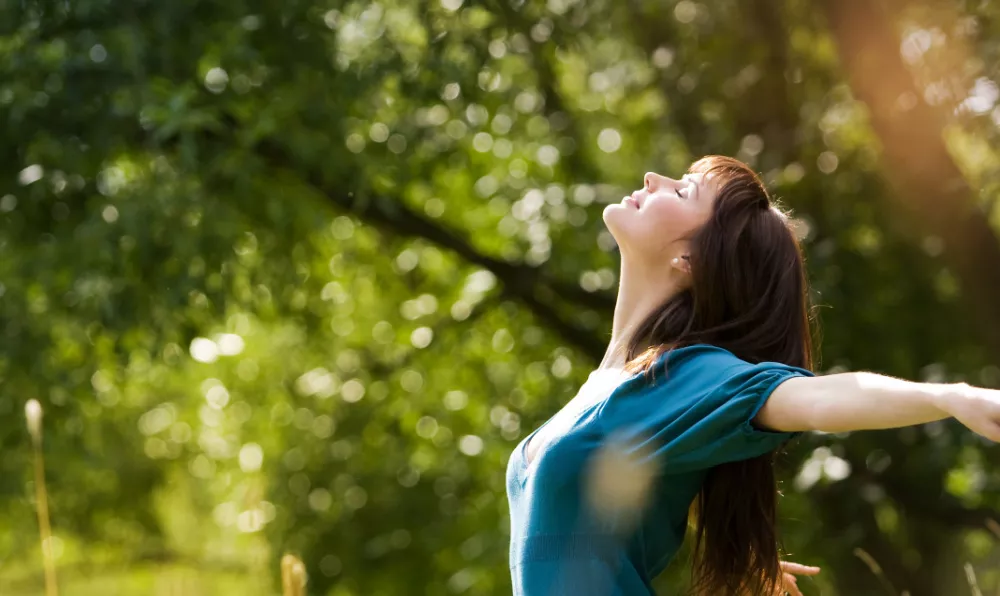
{"points": [[707, 373]]}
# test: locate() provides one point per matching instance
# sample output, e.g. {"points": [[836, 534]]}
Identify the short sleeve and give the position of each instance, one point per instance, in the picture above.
{"points": [[736, 402], [701, 415]]}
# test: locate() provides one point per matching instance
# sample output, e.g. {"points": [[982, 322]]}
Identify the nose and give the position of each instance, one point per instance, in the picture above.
{"points": [[649, 180], [653, 181]]}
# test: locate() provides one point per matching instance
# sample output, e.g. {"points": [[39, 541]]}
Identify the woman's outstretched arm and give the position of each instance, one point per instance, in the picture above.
{"points": [[865, 401]]}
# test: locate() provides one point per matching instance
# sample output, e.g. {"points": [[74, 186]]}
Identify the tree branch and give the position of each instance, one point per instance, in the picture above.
{"points": [[522, 282], [525, 283]]}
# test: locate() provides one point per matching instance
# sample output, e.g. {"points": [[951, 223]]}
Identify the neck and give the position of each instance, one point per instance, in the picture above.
{"points": [[641, 290]]}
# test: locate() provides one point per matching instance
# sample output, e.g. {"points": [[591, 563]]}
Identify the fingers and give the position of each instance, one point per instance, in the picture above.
{"points": [[981, 412], [790, 582], [791, 587], [798, 569]]}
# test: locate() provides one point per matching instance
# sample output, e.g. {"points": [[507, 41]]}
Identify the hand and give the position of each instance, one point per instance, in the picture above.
{"points": [[976, 408], [789, 585]]}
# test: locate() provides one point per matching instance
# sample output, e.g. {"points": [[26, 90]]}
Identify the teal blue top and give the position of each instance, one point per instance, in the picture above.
{"points": [[602, 507]]}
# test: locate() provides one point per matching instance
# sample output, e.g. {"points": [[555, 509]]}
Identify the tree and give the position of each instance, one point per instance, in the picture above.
{"points": [[298, 276]]}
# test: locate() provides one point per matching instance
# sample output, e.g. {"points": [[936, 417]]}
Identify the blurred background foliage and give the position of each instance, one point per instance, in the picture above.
{"points": [[296, 276]]}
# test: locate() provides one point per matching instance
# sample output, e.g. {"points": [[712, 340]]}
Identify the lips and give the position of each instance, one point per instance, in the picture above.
{"points": [[632, 201]]}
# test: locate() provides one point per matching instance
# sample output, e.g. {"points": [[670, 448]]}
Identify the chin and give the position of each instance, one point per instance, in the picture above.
{"points": [[618, 231], [616, 217], [616, 211]]}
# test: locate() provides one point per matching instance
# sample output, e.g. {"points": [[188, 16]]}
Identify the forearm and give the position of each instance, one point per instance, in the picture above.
{"points": [[854, 401]]}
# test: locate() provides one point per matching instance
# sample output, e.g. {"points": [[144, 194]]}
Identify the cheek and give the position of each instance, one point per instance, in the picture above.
{"points": [[651, 232], [668, 221], [666, 216]]}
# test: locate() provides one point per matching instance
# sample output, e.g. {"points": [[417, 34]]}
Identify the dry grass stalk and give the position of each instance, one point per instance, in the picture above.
{"points": [[876, 569], [33, 414], [993, 526], [970, 575], [293, 576]]}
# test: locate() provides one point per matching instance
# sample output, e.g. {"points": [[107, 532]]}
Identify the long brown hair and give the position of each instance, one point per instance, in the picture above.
{"points": [[748, 295]]}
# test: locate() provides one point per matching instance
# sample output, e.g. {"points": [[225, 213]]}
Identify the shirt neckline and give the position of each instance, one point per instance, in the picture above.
{"points": [[528, 465]]}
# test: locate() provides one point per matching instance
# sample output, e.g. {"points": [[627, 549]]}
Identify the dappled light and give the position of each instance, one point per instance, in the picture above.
{"points": [[284, 285]]}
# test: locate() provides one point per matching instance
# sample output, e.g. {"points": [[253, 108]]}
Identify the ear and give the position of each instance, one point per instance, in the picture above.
{"points": [[682, 263]]}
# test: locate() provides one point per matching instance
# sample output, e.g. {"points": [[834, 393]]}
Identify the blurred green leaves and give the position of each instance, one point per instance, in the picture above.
{"points": [[296, 277]]}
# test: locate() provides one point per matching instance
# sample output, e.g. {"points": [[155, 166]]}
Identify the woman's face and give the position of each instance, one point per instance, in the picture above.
{"points": [[655, 222]]}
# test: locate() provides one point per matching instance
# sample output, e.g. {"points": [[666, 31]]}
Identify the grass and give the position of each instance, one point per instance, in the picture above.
{"points": [[150, 580]]}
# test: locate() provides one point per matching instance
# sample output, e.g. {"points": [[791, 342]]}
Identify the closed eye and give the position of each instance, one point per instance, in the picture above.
{"points": [[678, 193]]}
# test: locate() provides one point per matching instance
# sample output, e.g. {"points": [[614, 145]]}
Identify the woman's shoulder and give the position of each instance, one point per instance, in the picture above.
{"points": [[709, 365], [679, 378], [695, 356], [686, 370]]}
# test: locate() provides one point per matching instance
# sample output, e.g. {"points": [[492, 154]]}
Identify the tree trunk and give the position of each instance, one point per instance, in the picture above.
{"points": [[929, 187]]}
